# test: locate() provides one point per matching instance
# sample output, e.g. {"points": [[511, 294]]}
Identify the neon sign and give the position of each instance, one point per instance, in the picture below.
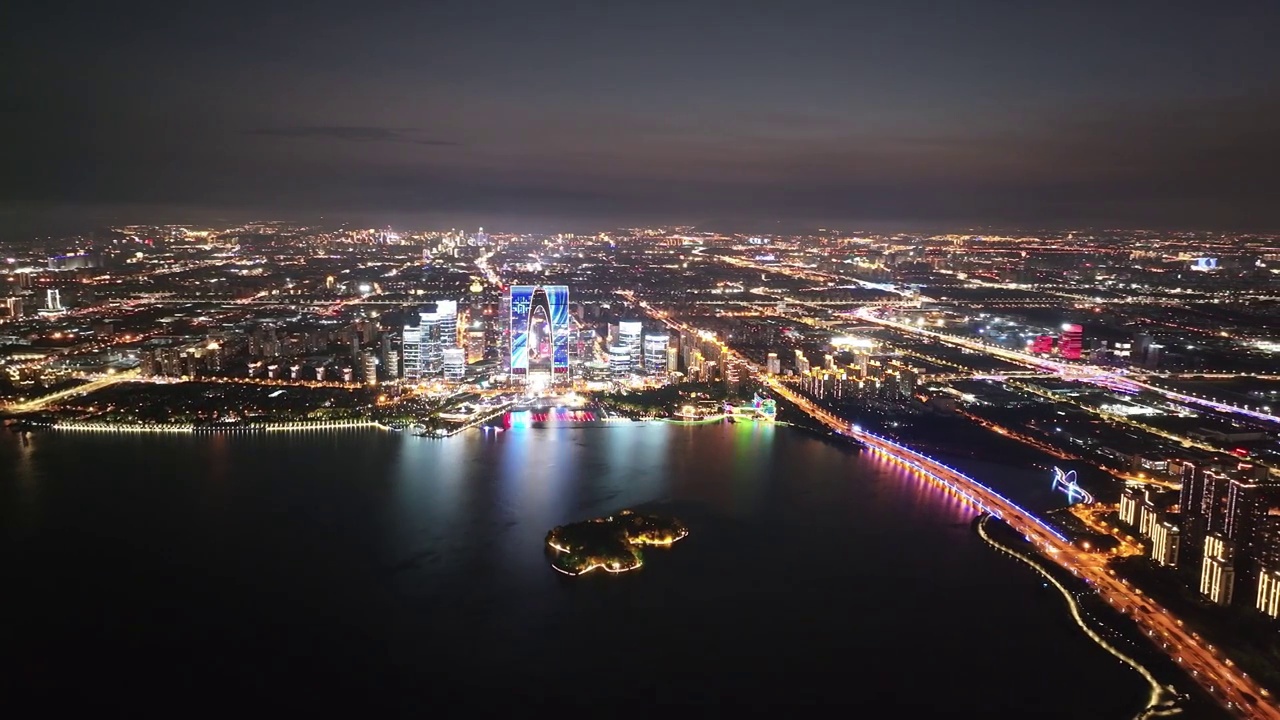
{"points": [[1066, 482]]}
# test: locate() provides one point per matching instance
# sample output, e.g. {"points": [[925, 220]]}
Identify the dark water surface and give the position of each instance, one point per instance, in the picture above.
{"points": [[394, 575]]}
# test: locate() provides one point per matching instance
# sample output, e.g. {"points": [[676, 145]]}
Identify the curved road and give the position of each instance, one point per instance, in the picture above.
{"points": [[1214, 673]]}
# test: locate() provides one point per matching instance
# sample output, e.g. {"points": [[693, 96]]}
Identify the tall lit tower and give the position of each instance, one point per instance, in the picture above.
{"points": [[447, 312], [1072, 341], [630, 334]]}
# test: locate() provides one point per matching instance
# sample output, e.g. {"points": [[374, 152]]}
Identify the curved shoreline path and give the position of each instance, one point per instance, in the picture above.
{"points": [[1213, 673], [1157, 692]]}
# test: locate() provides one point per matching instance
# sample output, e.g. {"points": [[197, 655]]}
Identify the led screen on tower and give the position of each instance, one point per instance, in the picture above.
{"points": [[539, 329]]}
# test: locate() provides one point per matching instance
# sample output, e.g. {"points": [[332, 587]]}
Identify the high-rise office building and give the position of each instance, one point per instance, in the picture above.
{"points": [[477, 330], [1072, 342], [1217, 570], [1148, 517], [655, 353], [454, 363], [1129, 500], [388, 357], [391, 364], [1231, 522], [1267, 599], [447, 317], [773, 365], [411, 350], [53, 300], [732, 374], [802, 363], [619, 361], [432, 349], [476, 345], [504, 330], [630, 336], [1164, 544], [369, 367]]}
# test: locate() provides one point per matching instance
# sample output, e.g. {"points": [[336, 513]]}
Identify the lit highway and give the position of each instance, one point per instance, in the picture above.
{"points": [[92, 386], [1213, 672], [1084, 373]]}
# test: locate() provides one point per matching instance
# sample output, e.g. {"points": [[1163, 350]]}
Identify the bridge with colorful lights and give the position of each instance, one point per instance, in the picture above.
{"points": [[1213, 671]]}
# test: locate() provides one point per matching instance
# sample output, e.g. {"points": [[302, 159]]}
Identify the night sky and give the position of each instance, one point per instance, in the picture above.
{"points": [[847, 114]]}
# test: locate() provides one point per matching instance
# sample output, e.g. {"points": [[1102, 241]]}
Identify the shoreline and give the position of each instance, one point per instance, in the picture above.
{"points": [[188, 428], [1162, 699]]}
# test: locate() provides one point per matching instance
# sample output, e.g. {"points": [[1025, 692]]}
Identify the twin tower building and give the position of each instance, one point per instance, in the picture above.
{"points": [[535, 330], [536, 334]]}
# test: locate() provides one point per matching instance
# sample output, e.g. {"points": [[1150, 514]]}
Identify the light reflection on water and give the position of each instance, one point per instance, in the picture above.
{"points": [[402, 551]]}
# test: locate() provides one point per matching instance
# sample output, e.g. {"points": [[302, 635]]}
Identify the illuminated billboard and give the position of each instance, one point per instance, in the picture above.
{"points": [[539, 329]]}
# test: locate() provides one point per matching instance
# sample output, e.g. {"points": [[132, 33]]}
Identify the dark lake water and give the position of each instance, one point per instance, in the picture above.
{"points": [[394, 575]]}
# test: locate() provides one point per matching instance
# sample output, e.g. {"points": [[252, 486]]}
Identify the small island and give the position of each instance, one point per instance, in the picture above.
{"points": [[612, 543]]}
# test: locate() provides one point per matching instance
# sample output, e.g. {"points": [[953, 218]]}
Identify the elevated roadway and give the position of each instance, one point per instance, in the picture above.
{"points": [[1243, 697], [1213, 672]]}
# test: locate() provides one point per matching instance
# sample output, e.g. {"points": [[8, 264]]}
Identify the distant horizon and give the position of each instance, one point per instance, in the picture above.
{"points": [[66, 221]]}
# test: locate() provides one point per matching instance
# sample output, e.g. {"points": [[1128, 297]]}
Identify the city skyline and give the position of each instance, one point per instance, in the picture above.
{"points": [[1100, 406], [337, 341]]}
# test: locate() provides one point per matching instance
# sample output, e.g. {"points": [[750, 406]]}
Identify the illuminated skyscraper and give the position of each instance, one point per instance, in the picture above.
{"points": [[1129, 500], [447, 317], [1217, 571], [655, 353], [1072, 342], [421, 348], [504, 330], [369, 365], [630, 333], [454, 364], [619, 361], [411, 352], [432, 348], [388, 358], [1164, 544], [1267, 599], [475, 341], [539, 335]]}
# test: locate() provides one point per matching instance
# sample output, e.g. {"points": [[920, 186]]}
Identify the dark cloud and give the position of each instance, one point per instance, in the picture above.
{"points": [[353, 133], [1152, 113]]}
